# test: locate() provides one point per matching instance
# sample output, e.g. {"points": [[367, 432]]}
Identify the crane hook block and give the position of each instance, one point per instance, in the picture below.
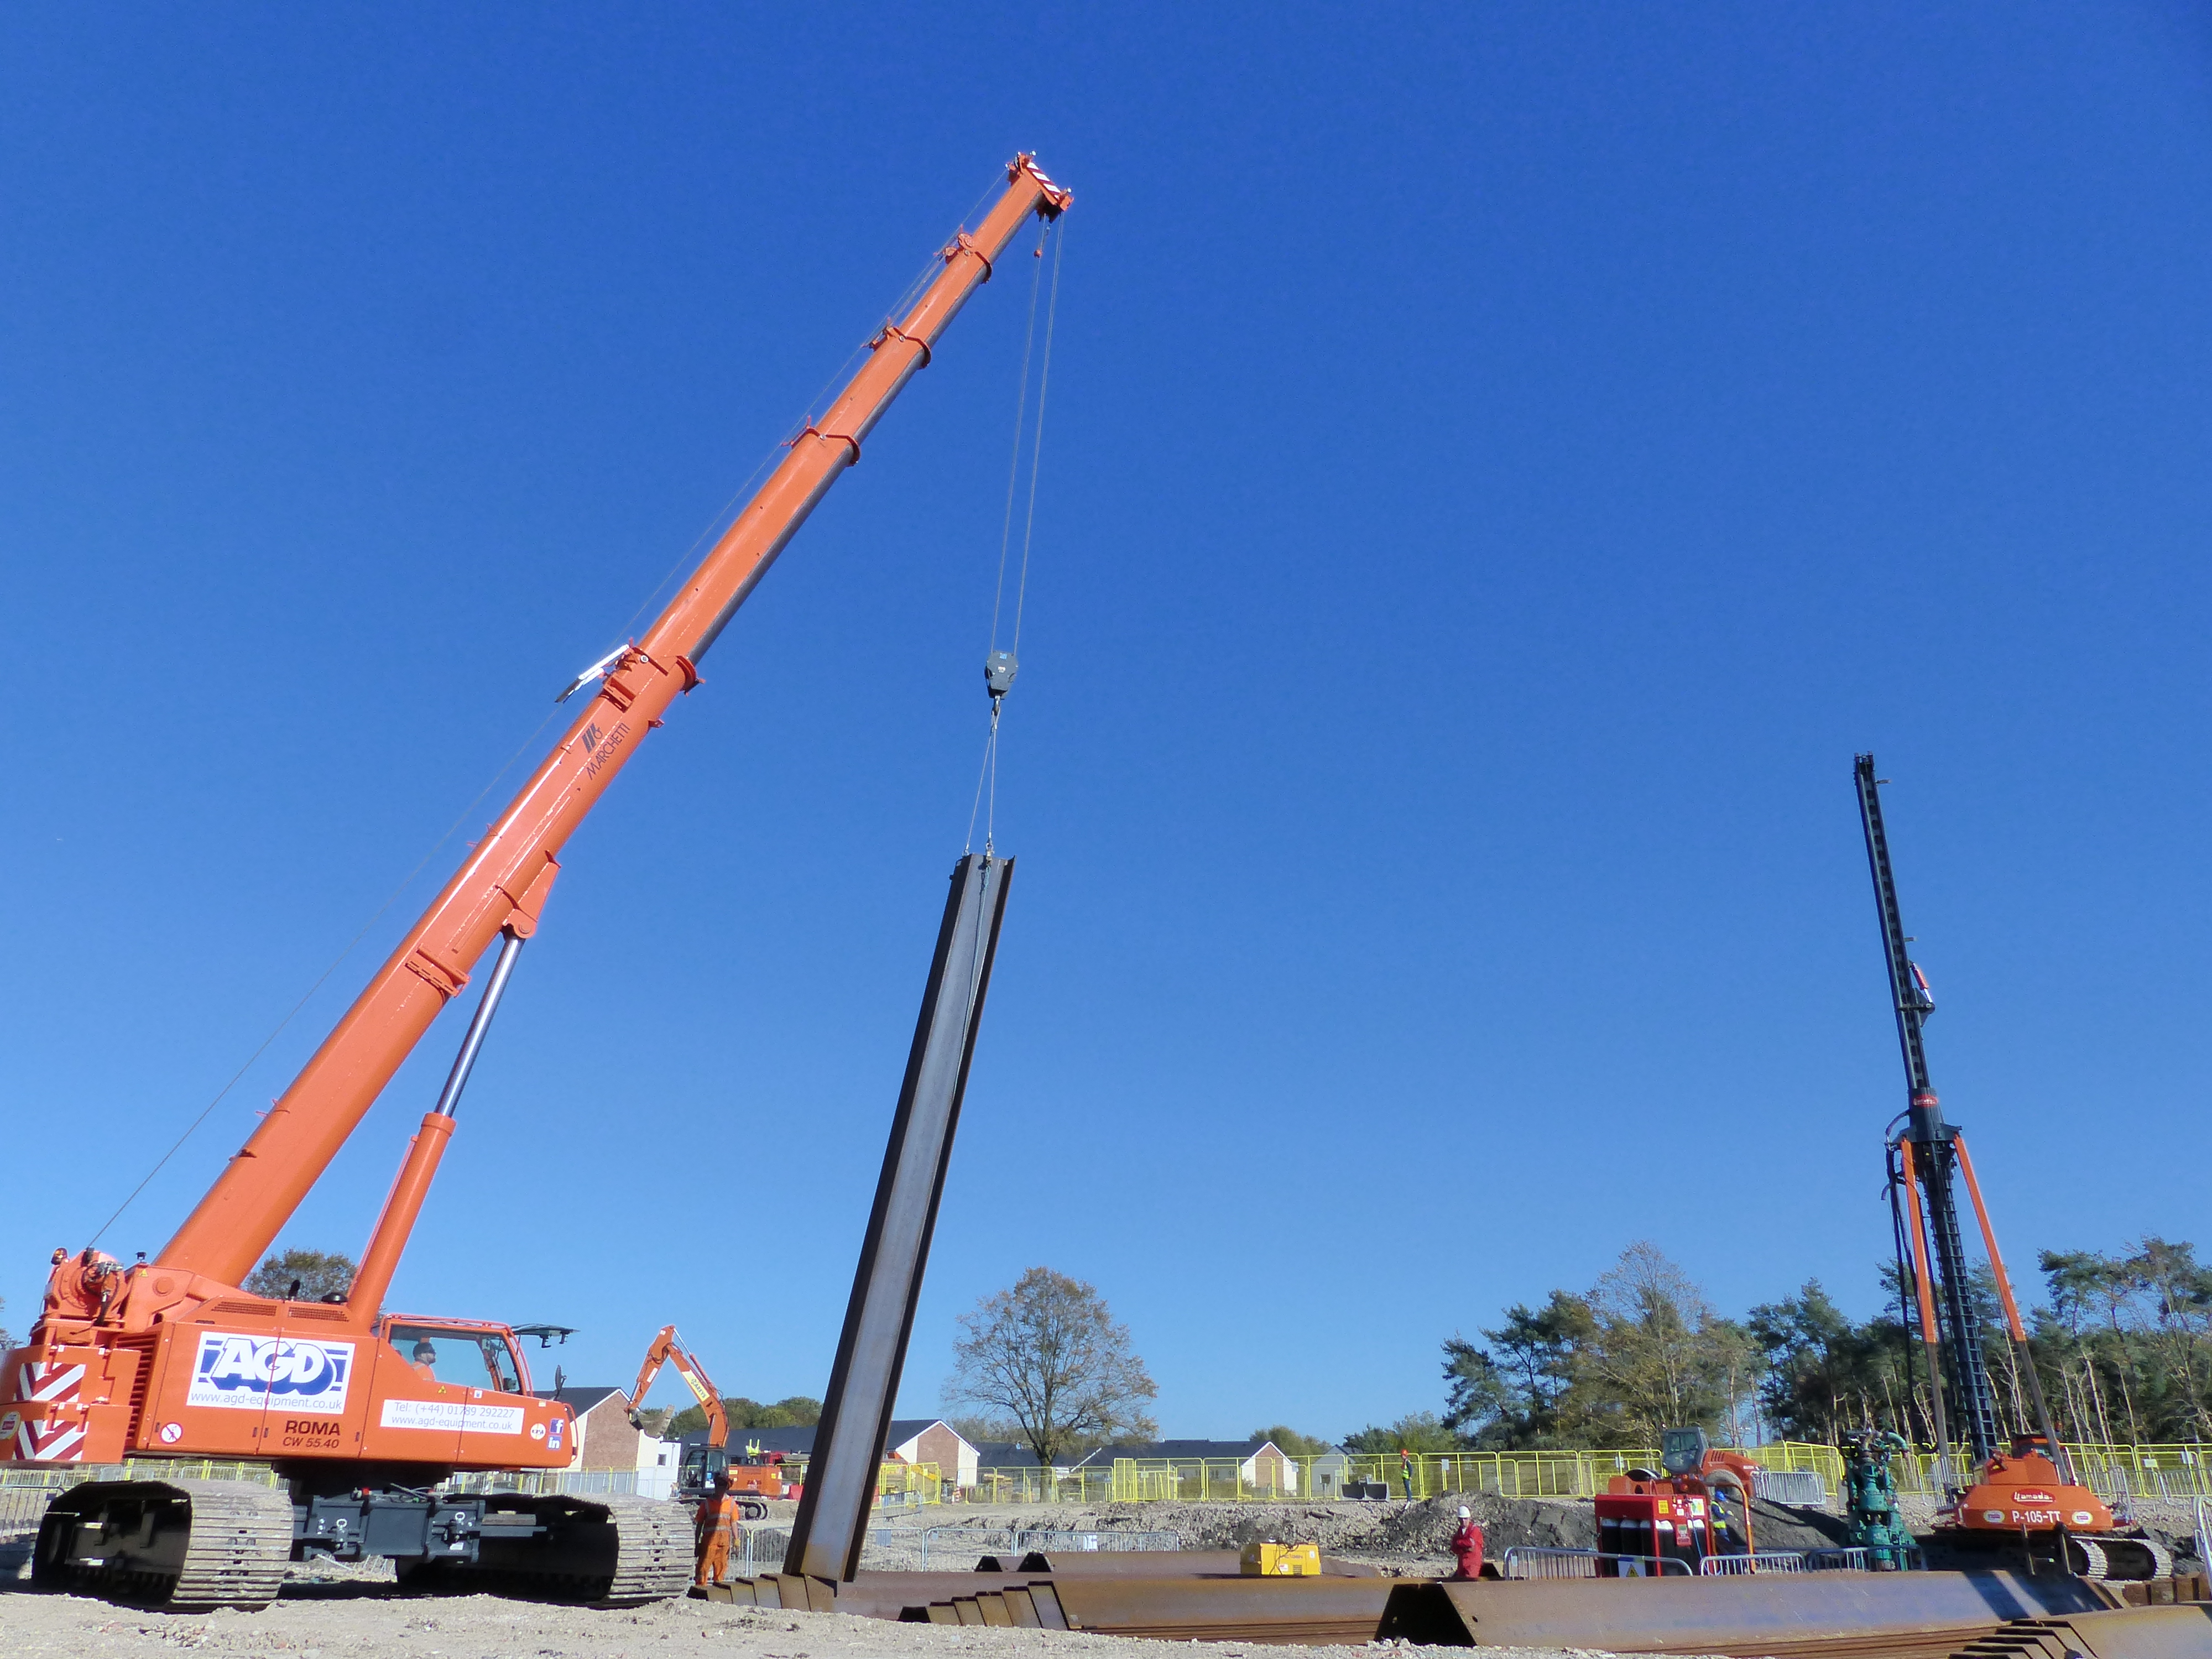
{"points": [[998, 671]]}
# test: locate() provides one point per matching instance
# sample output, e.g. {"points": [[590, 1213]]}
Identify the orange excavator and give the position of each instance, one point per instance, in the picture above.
{"points": [[363, 1413], [751, 1484]]}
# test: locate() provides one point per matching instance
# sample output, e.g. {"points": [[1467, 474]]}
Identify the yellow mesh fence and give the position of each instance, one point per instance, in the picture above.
{"points": [[2168, 1471]]}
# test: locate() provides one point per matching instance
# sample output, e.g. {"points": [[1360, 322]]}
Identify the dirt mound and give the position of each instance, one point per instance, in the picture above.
{"points": [[1410, 1537]]}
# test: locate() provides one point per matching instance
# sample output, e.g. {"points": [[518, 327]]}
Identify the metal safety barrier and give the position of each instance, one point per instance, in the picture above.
{"points": [[1852, 1558], [1728, 1566], [1794, 1471], [926, 1549], [1802, 1488], [760, 1549], [1538, 1561]]}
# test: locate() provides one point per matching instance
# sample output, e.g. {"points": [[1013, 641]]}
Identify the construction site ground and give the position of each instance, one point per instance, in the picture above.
{"points": [[339, 1624], [1410, 1539], [336, 1611]]}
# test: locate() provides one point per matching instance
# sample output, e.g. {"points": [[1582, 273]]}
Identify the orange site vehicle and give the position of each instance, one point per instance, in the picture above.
{"points": [[750, 1483], [363, 1413], [1695, 1507]]}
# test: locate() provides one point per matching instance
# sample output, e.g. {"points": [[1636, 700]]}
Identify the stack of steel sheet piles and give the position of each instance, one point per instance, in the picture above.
{"points": [[1901, 1615], [1830, 1615], [2166, 1632]]}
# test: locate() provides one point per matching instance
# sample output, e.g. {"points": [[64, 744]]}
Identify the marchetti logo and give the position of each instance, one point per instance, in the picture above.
{"points": [[2022, 1495], [247, 1373]]}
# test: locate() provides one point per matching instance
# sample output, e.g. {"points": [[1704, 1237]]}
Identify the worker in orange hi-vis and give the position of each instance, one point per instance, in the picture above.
{"points": [[1466, 1546], [714, 1528]]}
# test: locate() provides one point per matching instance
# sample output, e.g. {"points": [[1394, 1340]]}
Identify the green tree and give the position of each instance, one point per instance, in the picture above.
{"points": [[799, 1410], [303, 1276], [1416, 1432], [1288, 1441], [1659, 1357], [1511, 1394], [2124, 1346], [1049, 1354]]}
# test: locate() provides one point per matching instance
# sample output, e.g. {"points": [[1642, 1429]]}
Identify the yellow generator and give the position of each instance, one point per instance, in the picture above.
{"points": [[1271, 1559]]}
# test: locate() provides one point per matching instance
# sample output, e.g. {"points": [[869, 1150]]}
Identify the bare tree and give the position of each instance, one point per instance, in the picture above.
{"points": [[1661, 1357], [302, 1276], [1048, 1355], [6, 1341]]}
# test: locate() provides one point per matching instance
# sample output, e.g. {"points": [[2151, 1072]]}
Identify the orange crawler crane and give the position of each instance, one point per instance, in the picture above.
{"points": [[363, 1413]]}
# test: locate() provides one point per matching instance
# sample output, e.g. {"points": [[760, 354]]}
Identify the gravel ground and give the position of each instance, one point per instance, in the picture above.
{"points": [[1413, 1538], [357, 1622]]}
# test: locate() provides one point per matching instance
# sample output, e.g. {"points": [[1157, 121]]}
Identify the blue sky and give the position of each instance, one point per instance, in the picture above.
{"points": [[1502, 464]]}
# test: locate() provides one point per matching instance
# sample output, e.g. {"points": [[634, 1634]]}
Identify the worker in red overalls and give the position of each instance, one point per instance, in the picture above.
{"points": [[1466, 1546], [714, 1528]]}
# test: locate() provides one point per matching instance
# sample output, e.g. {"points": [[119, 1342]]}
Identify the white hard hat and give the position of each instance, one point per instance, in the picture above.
{"points": [[1465, 1513]]}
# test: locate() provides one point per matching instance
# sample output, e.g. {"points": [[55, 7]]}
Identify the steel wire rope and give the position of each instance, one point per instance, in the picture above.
{"points": [[986, 802], [308, 996]]}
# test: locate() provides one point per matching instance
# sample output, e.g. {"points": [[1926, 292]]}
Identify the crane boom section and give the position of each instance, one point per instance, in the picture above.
{"points": [[503, 881]]}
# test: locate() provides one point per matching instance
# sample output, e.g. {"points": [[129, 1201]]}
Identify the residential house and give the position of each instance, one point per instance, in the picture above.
{"points": [[606, 1439], [1260, 1463], [912, 1440]]}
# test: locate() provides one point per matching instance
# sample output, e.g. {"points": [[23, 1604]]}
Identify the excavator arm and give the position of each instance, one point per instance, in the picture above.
{"points": [[502, 885], [667, 1349]]}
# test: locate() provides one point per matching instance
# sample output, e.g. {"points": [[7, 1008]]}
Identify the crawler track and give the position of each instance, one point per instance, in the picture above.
{"points": [[624, 1550], [181, 1544]]}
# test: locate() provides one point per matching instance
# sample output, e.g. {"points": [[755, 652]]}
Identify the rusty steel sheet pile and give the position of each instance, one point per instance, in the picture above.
{"points": [[1151, 1563], [1776, 1613], [2182, 1632], [1832, 1615]]}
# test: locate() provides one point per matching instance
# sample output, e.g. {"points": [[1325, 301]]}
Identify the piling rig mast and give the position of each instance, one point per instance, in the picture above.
{"points": [[363, 1414], [2020, 1489]]}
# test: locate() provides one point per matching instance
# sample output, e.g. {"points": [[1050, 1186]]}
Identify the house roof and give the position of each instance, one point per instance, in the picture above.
{"points": [[797, 1441], [1188, 1449], [581, 1400]]}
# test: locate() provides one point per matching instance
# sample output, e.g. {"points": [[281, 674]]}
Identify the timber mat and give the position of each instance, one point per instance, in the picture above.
{"points": [[1765, 1613]]}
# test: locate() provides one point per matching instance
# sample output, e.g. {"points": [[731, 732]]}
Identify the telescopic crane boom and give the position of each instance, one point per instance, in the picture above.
{"points": [[362, 1413]]}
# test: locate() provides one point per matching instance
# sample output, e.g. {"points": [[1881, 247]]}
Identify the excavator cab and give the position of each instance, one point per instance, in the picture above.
{"points": [[1682, 1451]]}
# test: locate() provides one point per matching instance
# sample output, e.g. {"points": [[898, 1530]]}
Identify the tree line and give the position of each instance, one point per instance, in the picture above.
{"points": [[2122, 1343]]}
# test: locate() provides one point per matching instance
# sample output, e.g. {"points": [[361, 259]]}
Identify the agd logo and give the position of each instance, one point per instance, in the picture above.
{"points": [[246, 1373]]}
